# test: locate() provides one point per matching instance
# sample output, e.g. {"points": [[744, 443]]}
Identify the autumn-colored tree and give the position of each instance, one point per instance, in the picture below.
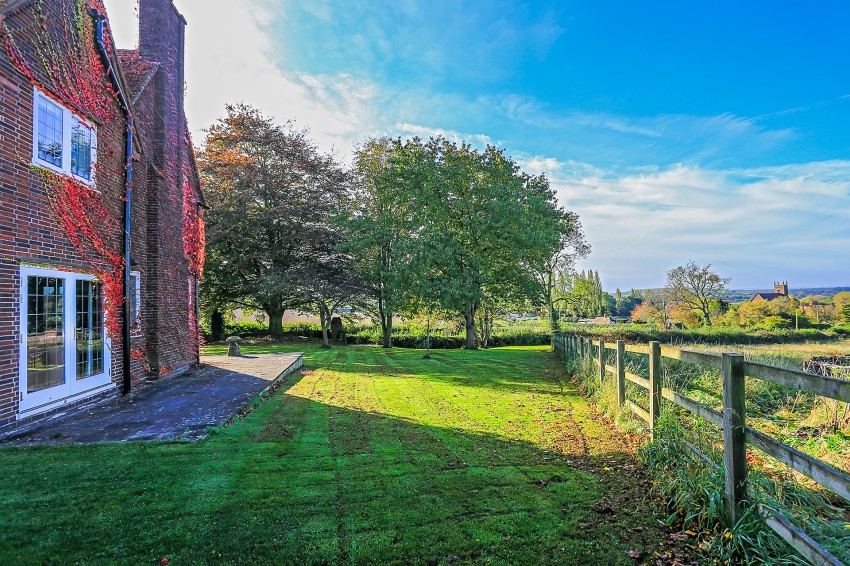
{"points": [[684, 315], [695, 286], [273, 220], [754, 313], [648, 314], [842, 298], [766, 313]]}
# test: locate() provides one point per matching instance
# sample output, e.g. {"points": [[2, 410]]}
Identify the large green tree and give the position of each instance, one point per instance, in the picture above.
{"points": [[273, 219], [572, 246], [381, 226], [580, 294], [483, 226]]}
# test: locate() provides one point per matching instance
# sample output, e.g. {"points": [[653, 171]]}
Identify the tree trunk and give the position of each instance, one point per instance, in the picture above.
{"points": [[428, 337], [469, 316], [387, 327], [216, 325], [386, 316], [323, 322], [275, 321]]}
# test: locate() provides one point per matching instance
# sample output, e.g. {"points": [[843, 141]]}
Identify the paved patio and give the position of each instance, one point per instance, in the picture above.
{"points": [[182, 407]]}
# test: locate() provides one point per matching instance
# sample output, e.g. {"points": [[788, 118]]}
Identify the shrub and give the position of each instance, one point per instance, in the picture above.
{"points": [[405, 335], [245, 328], [443, 341], [843, 330], [775, 323]]}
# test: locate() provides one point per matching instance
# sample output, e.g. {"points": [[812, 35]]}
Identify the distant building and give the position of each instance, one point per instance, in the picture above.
{"points": [[779, 290], [597, 320]]}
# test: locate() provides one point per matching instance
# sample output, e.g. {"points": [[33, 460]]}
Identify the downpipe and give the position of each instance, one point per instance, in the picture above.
{"points": [[100, 22]]}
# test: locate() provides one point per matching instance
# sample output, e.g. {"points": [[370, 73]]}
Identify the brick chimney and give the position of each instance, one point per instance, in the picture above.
{"points": [[162, 31], [161, 41]]}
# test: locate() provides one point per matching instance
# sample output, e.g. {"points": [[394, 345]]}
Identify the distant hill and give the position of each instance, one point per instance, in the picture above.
{"points": [[741, 295]]}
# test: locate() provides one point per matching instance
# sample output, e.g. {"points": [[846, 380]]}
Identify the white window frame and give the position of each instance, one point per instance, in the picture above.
{"points": [[72, 389], [68, 118]]}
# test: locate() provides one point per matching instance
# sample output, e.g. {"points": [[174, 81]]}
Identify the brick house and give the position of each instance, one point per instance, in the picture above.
{"points": [[101, 235]]}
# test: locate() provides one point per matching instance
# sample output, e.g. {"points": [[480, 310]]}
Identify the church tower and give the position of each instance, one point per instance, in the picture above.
{"points": [[780, 288]]}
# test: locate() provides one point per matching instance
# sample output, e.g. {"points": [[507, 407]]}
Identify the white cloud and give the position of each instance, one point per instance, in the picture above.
{"points": [[405, 129], [124, 22], [660, 138], [755, 224], [229, 59], [553, 167]]}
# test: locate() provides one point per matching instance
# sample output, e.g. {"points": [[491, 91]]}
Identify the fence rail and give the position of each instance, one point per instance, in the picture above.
{"points": [[736, 435]]}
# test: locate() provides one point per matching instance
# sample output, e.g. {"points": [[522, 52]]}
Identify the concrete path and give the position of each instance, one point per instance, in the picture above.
{"points": [[180, 407]]}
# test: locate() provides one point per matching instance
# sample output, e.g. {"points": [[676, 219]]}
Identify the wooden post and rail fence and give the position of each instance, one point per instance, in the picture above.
{"points": [[732, 420]]}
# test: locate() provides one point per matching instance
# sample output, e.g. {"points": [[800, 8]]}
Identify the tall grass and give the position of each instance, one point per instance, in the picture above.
{"points": [[816, 425], [686, 459]]}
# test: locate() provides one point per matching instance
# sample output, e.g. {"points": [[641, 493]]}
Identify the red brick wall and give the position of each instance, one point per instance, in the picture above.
{"points": [[161, 39], [30, 234]]}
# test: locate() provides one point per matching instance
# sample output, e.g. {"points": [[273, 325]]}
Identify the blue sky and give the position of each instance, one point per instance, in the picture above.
{"points": [[713, 131]]}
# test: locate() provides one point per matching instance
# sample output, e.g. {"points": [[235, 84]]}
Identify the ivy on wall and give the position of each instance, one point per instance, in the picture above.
{"points": [[194, 232], [84, 220], [71, 72], [57, 53], [70, 69]]}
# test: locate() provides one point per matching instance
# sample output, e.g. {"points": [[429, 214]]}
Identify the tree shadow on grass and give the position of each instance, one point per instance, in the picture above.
{"points": [[303, 481], [533, 371]]}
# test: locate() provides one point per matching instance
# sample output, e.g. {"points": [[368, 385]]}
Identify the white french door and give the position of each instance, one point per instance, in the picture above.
{"points": [[64, 349]]}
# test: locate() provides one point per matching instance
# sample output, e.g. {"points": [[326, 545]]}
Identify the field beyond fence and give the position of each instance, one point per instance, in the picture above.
{"points": [[614, 364], [704, 335]]}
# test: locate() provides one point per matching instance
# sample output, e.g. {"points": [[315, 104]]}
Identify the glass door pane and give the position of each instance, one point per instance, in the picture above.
{"points": [[89, 329], [45, 333]]}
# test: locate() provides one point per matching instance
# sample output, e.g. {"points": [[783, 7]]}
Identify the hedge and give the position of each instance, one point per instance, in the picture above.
{"points": [[706, 335]]}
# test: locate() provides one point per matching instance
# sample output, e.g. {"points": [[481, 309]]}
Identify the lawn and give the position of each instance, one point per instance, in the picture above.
{"points": [[367, 456]]}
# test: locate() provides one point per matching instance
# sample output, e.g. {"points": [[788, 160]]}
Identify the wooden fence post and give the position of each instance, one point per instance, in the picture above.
{"points": [[621, 372], [581, 347], [734, 441], [601, 361], [654, 385]]}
